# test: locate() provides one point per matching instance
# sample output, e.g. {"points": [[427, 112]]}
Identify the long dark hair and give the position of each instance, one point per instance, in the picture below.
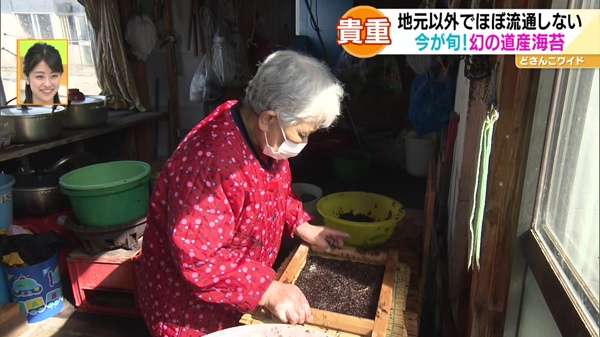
{"points": [[37, 53]]}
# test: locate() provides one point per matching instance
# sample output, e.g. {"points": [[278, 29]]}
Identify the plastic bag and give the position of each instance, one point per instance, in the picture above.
{"points": [[206, 84], [141, 36], [219, 59], [220, 67], [431, 102], [226, 58]]}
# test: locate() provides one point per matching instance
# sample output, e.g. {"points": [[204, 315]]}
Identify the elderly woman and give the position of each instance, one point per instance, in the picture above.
{"points": [[223, 202]]}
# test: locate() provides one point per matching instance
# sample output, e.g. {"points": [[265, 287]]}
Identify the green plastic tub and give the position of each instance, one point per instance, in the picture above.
{"points": [[108, 194]]}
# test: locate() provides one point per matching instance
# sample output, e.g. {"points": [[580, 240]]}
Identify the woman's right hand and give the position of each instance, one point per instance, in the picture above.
{"points": [[287, 303]]}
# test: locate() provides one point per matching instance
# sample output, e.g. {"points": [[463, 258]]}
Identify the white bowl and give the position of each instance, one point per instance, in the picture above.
{"points": [[268, 330], [315, 191]]}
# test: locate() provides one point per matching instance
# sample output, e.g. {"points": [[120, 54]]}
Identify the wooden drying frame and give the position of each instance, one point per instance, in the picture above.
{"points": [[347, 323]]}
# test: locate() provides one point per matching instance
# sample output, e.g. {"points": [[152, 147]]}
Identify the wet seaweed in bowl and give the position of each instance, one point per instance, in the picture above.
{"points": [[356, 217]]}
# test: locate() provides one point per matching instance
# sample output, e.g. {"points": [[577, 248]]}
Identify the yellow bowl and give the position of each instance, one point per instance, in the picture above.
{"points": [[386, 212]]}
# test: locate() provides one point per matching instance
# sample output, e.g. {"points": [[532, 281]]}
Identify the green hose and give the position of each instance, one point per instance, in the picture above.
{"points": [[479, 192]]}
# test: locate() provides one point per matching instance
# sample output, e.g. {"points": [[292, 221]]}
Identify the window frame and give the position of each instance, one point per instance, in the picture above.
{"points": [[553, 272]]}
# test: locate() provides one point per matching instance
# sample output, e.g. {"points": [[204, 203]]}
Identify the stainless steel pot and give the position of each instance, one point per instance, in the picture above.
{"points": [[33, 123], [36, 195], [88, 113], [37, 192]]}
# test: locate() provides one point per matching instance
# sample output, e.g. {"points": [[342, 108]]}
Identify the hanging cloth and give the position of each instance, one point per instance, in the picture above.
{"points": [[479, 193], [110, 57]]}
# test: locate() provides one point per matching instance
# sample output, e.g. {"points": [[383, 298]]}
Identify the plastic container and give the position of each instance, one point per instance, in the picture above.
{"points": [[309, 194], [108, 194], [351, 167], [419, 151], [6, 202], [4, 292], [37, 289], [386, 212]]}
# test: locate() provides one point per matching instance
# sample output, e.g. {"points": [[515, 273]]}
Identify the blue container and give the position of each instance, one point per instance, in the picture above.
{"points": [[38, 289], [6, 203], [4, 292]]}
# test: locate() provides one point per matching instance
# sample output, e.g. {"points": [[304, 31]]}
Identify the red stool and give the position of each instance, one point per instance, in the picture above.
{"points": [[104, 284]]}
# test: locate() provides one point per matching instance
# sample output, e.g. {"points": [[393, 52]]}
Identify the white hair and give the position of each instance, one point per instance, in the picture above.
{"points": [[297, 87]]}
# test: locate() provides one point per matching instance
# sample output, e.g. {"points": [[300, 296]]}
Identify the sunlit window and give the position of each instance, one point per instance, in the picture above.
{"points": [[51, 19], [568, 214]]}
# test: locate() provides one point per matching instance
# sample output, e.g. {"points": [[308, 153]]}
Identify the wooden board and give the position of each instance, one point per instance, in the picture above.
{"points": [[114, 123], [355, 326], [386, 296], [295, 266], [334, 320], [490, 285]]}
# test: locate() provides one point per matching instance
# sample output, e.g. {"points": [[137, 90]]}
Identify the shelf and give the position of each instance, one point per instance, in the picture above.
{"points": [[117, 120]]}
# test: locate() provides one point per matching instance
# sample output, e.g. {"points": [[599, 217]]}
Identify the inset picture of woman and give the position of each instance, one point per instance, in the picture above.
{"points": [[42, 72]]}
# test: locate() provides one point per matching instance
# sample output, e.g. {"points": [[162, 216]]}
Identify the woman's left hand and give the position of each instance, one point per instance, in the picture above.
{"points": [[321, 239]]}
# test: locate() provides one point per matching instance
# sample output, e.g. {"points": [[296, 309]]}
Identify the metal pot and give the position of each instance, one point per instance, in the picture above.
{"points": [[88, 113], [36, 195], [28, 124]]}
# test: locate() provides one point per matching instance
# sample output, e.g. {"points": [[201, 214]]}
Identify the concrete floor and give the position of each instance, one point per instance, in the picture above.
{"points": [[71, 323]]}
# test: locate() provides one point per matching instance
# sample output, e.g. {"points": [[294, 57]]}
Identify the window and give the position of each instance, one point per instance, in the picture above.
{"points": [[37, 26], [567, 215], [53, 19], [78, 31], [26, 23], [44, 26]]}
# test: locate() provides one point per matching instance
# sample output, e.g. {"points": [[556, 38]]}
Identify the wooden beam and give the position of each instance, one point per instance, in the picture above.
{"points": [[171, 50], [430, 204], [333, 320], [490, 284], [295, 266], [386, 296], [146, 141]]}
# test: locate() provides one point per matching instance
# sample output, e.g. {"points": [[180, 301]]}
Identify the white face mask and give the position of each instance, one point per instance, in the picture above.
{"points": [[287, 149]]}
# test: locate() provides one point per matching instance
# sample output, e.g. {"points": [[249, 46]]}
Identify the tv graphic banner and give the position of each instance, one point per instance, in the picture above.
{"points": [[539, 38]]}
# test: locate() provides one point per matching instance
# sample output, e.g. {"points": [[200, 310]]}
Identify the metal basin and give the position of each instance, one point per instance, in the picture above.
{"points": [[33, 124], [88, 113]]}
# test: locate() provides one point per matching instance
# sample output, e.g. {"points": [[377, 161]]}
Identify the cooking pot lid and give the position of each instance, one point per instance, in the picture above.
{"points": [[29, 110], [89, 99]]}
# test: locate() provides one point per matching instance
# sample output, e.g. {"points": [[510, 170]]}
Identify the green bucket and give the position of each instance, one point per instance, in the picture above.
{"points": [[108, 194]]}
